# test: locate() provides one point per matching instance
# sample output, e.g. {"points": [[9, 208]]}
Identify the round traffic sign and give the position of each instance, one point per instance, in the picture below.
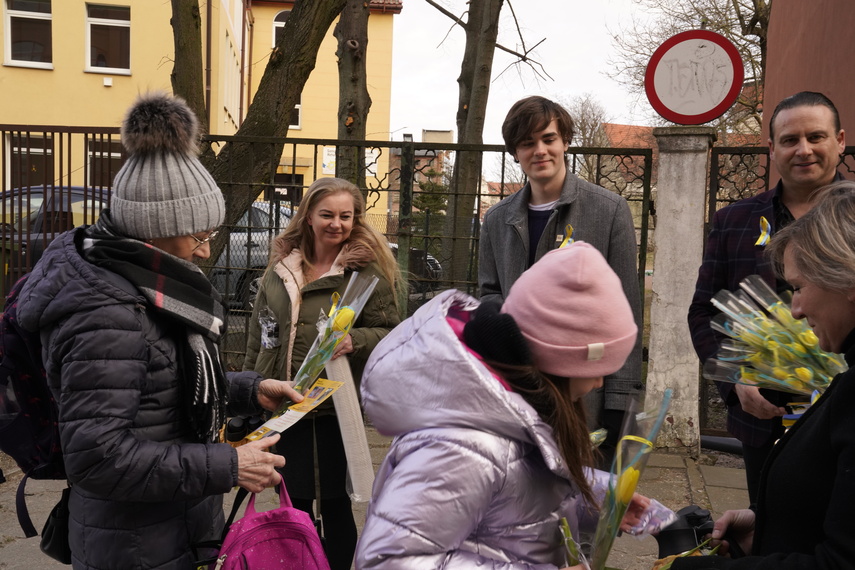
{"points": [[694, 77]]}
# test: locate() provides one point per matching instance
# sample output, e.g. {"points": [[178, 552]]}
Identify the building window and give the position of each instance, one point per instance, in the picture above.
{"points": [[279, 25], [30, 160], [278, 31], [108, 31], [28, 33], [296, 116], [232, 82], [105, 160]]}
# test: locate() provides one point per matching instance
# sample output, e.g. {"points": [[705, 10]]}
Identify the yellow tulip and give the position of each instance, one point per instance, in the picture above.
{"points": [[809, 339], [627, 482], [343, 319], [804, 374], [780, 373]]}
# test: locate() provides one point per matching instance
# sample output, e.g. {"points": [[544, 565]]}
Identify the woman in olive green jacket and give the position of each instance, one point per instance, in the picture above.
{"points": [[314, 257]]}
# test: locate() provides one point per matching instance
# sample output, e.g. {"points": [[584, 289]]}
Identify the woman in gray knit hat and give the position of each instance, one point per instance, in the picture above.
{"points": [[130, 328]]}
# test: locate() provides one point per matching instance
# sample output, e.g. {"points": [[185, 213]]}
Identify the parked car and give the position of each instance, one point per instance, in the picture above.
{"points": [[425, 272], [245, 256], [32, 217]]}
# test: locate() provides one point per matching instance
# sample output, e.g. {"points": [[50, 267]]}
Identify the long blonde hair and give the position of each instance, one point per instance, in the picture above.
{"points": [[300, 234]]}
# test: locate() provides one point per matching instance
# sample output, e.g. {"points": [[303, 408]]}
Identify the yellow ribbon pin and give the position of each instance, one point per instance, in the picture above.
{"points": [[765, 232], [568, 236]]}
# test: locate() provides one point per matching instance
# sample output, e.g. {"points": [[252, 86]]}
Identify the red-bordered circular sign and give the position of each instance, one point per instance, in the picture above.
{"points": [[694, 77]]}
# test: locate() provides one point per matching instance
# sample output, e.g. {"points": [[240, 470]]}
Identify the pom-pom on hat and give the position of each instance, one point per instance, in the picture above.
{"points": [[163, 190], [571, 308], [496, 336]]}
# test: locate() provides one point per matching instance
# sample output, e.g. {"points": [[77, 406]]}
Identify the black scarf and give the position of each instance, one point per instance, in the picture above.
{"points": [[178, 290]]}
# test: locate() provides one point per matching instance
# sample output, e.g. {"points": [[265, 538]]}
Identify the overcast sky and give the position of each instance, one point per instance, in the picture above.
{"points": [[428, 52]]}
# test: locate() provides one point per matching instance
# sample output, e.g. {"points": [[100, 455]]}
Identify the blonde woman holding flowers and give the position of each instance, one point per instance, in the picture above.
{"points": [[804, 513], [313, 258], [491, 445]]}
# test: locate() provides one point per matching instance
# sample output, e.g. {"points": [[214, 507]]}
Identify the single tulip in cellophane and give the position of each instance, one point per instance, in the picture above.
{"points": [[332, 329], [766, 347], [633, 450], [573, 555]]}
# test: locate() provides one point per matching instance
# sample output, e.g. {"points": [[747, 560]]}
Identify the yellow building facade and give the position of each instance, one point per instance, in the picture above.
{"points": [[73, 63]]}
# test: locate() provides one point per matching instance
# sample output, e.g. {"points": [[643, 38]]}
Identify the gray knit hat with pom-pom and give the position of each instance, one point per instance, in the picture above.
{"points": [[163, 190]]}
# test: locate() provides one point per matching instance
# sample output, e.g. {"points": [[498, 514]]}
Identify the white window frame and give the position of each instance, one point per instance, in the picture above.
{"points": [[299, 106], [88, 67], [7, 51]]}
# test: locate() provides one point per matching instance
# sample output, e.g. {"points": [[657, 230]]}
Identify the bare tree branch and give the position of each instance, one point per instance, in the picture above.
{"points": [[521, 57]]}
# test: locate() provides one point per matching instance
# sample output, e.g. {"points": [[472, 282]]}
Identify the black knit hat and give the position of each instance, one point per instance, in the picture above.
{"points": [[496, 336]]}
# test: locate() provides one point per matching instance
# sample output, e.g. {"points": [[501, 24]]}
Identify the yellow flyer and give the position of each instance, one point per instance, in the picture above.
{"points": [[314, 396]]}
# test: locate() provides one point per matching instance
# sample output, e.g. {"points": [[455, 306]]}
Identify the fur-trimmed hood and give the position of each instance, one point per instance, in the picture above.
{"points": [[354, 255]]}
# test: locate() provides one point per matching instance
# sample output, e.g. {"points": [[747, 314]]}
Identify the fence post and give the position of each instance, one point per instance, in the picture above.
{"points": [[681, 205], [405, 221]]}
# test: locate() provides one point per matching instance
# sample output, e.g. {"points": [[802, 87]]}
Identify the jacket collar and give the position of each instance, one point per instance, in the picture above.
{"points": [[519, 201], [290, 268]]}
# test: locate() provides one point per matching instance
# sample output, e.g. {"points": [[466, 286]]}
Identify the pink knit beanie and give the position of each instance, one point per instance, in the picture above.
{"points": [[571, 308]]}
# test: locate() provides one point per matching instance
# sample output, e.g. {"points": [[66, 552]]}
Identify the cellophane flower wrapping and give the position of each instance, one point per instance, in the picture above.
{"points": [[638, 435], [766, 347], [598, 437], [332, 329]]}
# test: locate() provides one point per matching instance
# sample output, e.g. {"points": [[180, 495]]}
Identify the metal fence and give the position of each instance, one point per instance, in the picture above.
{"points": [[49, 170], [53, 178], [409, 190]]}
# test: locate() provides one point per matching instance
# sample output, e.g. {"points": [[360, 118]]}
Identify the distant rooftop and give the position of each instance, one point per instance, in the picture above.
{"points": [[629, 136]]}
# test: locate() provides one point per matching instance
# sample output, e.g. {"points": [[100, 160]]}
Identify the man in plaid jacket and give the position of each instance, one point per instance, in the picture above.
{"points": [[805, 144]]}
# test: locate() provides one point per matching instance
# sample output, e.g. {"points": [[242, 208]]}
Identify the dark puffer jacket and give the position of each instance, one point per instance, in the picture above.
{"points": [[144, 487]]}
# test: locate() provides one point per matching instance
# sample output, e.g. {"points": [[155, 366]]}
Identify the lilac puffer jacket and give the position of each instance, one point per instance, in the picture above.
{"points": [[474, 477]]}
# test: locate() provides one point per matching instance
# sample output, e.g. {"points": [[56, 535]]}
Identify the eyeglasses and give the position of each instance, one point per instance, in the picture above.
{"points": [[201, 242]]}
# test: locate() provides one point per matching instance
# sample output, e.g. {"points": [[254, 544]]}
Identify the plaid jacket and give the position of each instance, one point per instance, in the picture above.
{"points": [[730, 256]]}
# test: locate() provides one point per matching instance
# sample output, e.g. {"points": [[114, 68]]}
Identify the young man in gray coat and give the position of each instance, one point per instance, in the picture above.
{"points": [[523, 227]]}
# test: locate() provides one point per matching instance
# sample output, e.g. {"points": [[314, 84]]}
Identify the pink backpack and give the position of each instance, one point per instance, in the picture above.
{"points": [[284, 538]]}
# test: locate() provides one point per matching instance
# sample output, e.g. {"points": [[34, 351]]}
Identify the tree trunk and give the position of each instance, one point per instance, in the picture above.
{"points": [[482, 28], [354, 101], [187, 73], [187, 81], [244, 170]]}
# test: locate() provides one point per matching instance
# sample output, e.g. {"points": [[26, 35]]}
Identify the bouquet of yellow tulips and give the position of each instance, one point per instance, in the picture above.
{"points": [[766, 346], [633, 450]]}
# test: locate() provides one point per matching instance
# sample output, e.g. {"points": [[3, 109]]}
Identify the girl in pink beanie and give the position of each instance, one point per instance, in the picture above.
{"points": [[491, 446]]}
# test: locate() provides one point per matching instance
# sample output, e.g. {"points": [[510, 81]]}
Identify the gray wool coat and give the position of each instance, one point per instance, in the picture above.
{"points": [[144, 488], [598, 217]]}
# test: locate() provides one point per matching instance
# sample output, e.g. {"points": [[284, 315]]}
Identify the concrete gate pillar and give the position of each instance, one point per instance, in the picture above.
{"points": [[680, 211]]}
